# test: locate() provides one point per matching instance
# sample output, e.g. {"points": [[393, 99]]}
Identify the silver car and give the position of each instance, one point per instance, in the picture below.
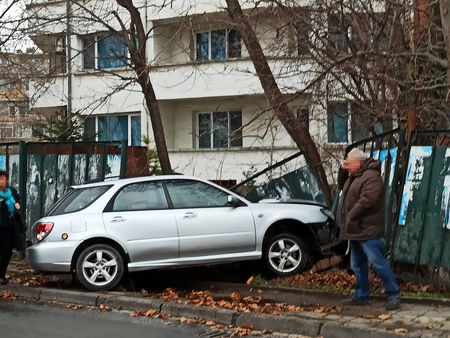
{"points": [[101, 230]]}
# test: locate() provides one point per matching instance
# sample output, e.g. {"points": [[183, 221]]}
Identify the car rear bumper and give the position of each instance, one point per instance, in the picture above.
{"points": [[51, 256]]}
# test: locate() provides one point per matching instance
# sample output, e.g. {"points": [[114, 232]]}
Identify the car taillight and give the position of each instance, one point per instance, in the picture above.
{"points": [[42, 230]]}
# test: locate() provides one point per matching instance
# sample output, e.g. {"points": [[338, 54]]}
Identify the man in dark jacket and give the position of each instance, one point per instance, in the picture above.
{"points": [[361, 216], [8, 213]]}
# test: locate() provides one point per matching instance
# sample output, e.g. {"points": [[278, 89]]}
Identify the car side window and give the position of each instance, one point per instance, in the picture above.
{"points": [[195, 194], [141, 196]]}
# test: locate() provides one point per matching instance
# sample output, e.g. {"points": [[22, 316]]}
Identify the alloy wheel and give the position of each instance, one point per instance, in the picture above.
{"points": [[284, 255], [100, 267]]}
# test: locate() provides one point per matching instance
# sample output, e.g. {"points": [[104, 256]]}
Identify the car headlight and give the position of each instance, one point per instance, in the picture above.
{"points": [[327, 213]]}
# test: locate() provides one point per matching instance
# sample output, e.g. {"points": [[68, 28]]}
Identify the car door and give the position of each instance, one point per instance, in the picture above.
{"points": [[207, 225], [140, 217]]}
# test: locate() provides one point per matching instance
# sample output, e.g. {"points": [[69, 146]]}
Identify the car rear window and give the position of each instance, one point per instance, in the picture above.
{"points": [[78, 199]]}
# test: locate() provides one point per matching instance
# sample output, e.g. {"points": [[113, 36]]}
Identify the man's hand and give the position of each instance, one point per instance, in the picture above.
{"points": [[345, 165], [17, 206]]}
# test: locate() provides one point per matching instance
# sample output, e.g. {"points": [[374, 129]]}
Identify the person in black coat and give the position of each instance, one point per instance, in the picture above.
{"points": [[12, 229]]}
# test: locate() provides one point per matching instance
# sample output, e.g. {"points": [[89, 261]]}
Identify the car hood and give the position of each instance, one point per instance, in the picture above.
{"points": [[292, 201]]}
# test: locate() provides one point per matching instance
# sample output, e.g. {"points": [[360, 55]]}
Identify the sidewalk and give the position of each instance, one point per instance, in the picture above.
{"points": [[411, 320]]}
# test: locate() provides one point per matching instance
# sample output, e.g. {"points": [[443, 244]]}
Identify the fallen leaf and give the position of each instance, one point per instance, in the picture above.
{"points": [[210, 323], [401, 330], [369, 316], [384, 317], [250, 280], [104, 308], [150, 313], [428, 327]]}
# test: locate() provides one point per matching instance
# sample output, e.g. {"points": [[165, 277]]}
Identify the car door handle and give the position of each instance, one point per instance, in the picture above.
{"points": [[118, 219], [190, 215]]}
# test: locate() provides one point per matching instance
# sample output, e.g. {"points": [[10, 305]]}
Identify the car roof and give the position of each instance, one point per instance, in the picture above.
{"points": [[124, 181]]}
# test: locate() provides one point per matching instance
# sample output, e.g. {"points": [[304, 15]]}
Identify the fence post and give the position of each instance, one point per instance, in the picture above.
{"points": [[23, 155], [123, 159]]}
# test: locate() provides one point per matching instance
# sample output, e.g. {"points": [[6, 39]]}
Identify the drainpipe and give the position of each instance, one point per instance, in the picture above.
{"points": [[69, 62]]}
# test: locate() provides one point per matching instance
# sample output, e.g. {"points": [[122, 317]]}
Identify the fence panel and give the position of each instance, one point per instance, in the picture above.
{"points": [[423, 232]]}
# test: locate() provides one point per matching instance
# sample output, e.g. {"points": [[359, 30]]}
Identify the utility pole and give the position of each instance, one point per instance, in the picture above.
{"points": [[69, 62]]}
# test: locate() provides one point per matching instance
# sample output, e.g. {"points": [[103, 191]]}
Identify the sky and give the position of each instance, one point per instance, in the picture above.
{"points": [[13, 26]]}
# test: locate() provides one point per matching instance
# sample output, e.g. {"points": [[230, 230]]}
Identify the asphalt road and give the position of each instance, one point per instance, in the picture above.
{"points": [[23, 320]]}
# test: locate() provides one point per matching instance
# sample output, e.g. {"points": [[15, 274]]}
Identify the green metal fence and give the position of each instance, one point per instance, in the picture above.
{"points": [[422, 240], [297, 184], [43, 172]]}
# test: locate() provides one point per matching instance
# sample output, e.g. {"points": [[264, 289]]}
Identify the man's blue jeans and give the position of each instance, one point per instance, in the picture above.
{"points": [[371, 250]]}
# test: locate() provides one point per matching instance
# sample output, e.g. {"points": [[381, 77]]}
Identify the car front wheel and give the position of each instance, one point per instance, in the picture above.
{"points": [[285, 254], [99, 267]]}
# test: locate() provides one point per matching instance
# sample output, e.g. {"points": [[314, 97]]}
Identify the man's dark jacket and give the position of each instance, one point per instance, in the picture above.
{"points": [[362, 212]]}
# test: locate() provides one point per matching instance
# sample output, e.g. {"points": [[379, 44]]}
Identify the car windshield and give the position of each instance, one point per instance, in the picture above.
{"points": [[78, 199]]}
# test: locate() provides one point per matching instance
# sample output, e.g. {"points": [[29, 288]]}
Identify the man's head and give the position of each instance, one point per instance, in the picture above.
{"points": [[354, 161], [3, 179]]}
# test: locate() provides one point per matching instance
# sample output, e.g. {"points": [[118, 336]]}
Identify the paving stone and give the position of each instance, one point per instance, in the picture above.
{"points": [[223, 316], [69, 296], [430, 320], [298, 325], [314, 315]]}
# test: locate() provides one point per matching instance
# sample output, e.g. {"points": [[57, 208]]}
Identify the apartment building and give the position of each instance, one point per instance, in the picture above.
{"points": [[216, 120], [16, 119]]}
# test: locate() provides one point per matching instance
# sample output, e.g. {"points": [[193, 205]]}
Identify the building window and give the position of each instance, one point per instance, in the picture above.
{"points": [[104, 52], [338, 32], [303, 29], [337, 122], [89, 129], [218, 44], [22, 111], [114, 128], [219, 130], [58, 56], [6, 132], [303, 116], [365, 123]]}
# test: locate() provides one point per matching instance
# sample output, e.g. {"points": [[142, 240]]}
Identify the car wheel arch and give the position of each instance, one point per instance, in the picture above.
{"points": [[295, 227], [98, 240]]}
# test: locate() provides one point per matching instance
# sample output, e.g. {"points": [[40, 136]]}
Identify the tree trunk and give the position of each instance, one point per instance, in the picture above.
{"points": [[444, 7], [298, 131], [137, 47], [155, 118]]}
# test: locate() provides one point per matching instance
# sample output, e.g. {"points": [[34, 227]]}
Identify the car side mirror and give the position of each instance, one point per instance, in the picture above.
{"points": [[233, 201]]}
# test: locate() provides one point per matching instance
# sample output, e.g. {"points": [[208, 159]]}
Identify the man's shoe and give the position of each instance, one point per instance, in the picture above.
{"points": [[393, 304], [353, 301], [3, 281]]}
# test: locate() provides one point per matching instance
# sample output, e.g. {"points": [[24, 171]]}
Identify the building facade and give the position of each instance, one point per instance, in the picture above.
{"points": [[16, 119], [216, 119]]}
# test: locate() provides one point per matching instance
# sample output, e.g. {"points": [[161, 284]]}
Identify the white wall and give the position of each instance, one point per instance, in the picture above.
{"points": [[227, 165]]}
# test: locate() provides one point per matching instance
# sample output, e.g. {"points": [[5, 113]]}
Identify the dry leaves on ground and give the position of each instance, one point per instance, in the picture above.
{"points": [[104, 308], [368, 316], [384, 316], [236, 302], [340, 279], [401, 330], [242, 331], [5, 294], [74, 307]]}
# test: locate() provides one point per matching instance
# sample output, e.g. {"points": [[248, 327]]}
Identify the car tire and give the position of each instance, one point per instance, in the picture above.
{"points": [[99, 267], [285, 254]]}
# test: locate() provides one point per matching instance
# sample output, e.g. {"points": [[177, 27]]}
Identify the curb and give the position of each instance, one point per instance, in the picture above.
{"points": [[285, 324]]}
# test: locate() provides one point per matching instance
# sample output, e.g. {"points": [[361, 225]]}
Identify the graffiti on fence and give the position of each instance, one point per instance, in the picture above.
{"points": [[416, 167]]}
